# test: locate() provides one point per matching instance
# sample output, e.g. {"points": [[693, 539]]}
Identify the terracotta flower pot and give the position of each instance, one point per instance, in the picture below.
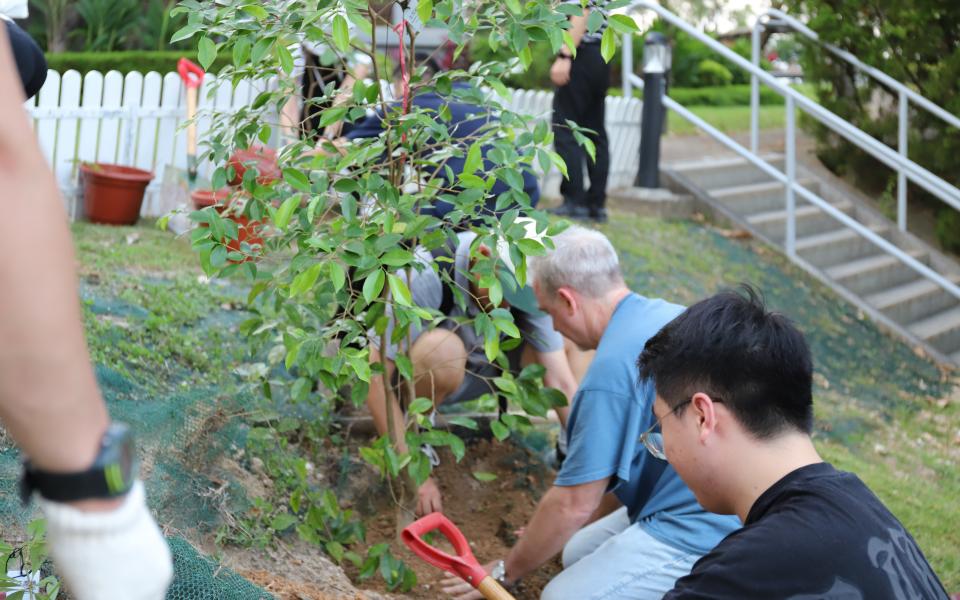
{"points": [[226, 203], [113, 194], [264, 159]]}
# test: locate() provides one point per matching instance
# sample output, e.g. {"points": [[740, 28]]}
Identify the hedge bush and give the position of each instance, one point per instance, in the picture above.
{"points": [[724, 95], [143, 61]]}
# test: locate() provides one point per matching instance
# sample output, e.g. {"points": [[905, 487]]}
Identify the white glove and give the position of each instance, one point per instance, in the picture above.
{"points": [[112, 554], [15, 9]]}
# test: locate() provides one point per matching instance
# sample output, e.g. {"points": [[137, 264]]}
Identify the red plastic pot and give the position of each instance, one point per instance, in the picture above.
{"points": [[113, 194], [247, 231], [263, 159]]}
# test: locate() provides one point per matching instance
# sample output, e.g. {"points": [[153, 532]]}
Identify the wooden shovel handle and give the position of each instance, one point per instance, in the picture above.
{"points": [[492, 590]]}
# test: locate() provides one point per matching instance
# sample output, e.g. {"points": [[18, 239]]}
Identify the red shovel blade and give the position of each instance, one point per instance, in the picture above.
{"points": [[463, 565], [190, 72]]}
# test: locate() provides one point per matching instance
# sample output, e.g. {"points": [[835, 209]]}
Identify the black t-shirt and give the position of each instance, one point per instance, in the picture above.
{"points": [[818, 533]]}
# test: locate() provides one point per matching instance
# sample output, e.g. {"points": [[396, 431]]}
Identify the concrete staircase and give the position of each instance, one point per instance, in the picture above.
{"points": [[892, 293]]}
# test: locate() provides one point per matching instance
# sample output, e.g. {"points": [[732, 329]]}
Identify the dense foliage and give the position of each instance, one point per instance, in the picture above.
{"points": [[914, 41]]}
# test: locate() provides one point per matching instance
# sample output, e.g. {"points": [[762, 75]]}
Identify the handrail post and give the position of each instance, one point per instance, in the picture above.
{"points": [[902, 148], [626, 65], [791, 150], [755, 88]]}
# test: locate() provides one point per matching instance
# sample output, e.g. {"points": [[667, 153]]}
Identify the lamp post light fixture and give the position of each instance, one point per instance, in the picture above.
{"points": [[657, 59]]}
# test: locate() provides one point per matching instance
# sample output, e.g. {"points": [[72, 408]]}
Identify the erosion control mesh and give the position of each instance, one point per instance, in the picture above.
{"points": [[197, 577], [166, 371]]}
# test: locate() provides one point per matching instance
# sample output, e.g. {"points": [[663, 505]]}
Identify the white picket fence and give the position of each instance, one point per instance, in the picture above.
{"points": [[136, 119]]}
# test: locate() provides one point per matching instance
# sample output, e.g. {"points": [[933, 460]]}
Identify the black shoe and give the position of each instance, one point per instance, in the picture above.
{"points": [[598, 215], [571, 210]]}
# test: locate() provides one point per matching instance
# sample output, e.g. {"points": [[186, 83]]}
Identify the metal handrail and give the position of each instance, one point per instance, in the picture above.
{"points": [[877, 74], [794, 99], [905, 96]]}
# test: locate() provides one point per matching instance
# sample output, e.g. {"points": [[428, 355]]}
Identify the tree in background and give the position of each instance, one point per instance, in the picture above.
{"points": [[916, 42]]}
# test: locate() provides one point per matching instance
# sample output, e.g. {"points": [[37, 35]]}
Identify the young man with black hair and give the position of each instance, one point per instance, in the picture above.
{"points": [[735, 411]]}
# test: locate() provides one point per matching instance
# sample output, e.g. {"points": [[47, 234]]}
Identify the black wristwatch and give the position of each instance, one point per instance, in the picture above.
{"points": [[112, 474]]}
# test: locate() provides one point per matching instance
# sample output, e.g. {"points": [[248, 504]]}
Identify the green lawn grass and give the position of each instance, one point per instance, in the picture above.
{"points": [[728, 119]]}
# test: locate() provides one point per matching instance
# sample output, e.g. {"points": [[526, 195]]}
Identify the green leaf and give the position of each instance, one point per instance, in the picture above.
{"points": [[399, 291], [282, 218], [396, 257], [622, 23], [499, 430], [335, 550], [286, 59], [484, 476], [608, 44], [331, 116], [507, 327], [495, 293], [420, 405], [296, 179], [373, 285], [218, 257], [282, 522], [465, 422], [594, 20], [514, 6], [341, 33], [526, 57], [559, 162], [507, 385], [568, 41], [256, 11], [491, 347], [206, 52], [260, 49], [305, 280], [474, 160], [186, 32], [425, 10], [337, 276]]}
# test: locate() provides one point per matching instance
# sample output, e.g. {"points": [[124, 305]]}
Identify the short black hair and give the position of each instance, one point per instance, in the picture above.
{"points": [[732, 348]]}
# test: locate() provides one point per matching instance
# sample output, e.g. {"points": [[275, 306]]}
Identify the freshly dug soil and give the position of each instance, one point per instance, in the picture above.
{"points": [[488, 513]]}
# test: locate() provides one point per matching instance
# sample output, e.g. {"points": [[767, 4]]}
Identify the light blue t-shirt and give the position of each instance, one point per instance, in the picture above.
{"points": [[610, 411]]}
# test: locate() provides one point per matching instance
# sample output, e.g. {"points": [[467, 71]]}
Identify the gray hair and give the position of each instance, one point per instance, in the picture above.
{"points": [[584, 259]]}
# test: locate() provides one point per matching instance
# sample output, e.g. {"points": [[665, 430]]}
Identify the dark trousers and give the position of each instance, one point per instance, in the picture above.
{"points": [[582, 101]]}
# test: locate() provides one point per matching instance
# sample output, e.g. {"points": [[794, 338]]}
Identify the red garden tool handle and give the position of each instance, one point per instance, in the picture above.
{"points": [[190, 72], [463, 565]]}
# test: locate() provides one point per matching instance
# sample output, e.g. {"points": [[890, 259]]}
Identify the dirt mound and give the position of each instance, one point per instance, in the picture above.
{"points": [[488, 513]]}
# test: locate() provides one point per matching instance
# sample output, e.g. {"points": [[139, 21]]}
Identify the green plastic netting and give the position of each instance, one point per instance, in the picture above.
{"points": [[197, 577], [182, 403]]}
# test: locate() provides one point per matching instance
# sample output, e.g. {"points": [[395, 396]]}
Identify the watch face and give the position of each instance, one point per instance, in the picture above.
{"points": [[118, 458]]}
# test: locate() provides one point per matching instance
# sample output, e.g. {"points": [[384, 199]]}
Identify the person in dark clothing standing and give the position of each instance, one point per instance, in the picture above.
{"points": [[581, 93], [734, 411], [468, 122]]}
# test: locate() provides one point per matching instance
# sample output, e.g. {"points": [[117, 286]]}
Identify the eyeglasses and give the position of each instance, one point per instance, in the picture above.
{"points": [[653, 440]]}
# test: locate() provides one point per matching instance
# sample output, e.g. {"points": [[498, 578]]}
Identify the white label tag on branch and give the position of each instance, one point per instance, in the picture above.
{"points": [[413, 19]]}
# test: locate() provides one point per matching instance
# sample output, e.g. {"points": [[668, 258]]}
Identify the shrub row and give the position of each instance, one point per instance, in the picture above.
{"points": [[125, 62]]}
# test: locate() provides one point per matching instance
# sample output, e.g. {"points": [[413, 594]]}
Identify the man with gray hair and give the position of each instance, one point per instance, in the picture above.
{"points": [[627, 525]]}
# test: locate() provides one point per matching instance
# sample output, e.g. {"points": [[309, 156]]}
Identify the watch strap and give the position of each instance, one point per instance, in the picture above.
{"points": [[68, 487]]}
